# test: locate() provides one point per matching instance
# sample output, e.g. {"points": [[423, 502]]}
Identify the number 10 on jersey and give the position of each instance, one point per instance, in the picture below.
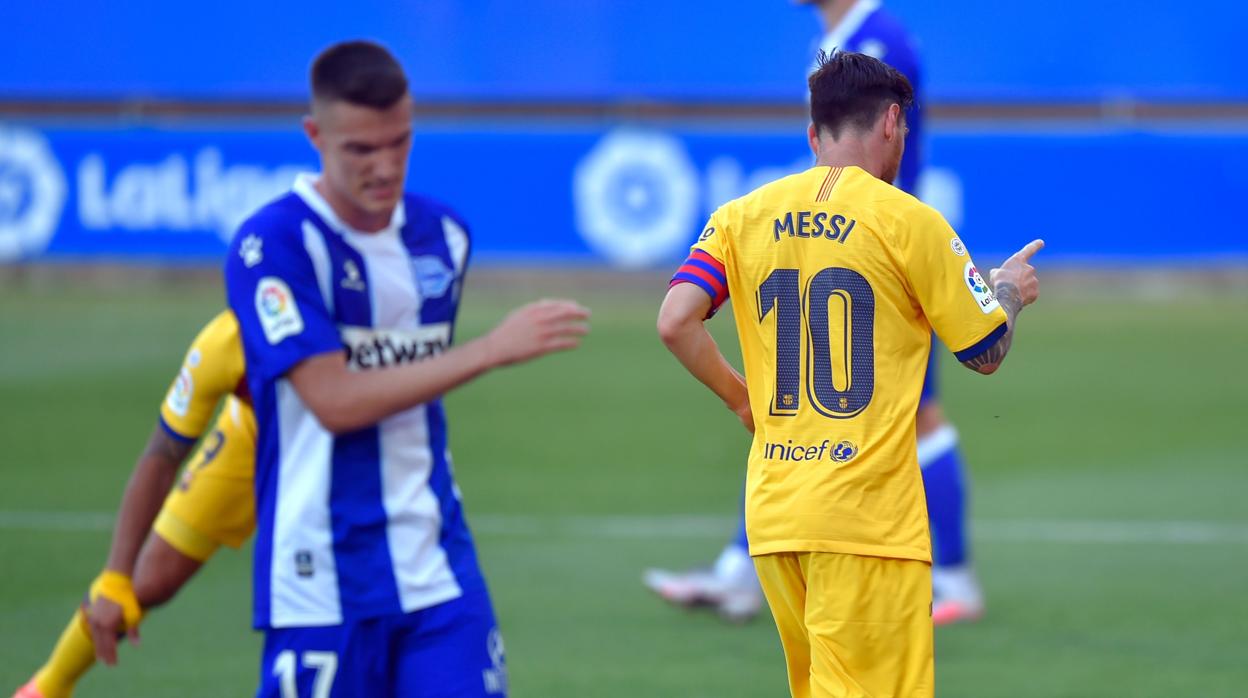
{"points": [[835, 296]]}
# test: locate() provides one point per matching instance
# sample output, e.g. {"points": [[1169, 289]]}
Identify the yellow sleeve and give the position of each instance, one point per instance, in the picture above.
{"points": [[212, 369], [704, 267], [713, 238], [954, 296]]}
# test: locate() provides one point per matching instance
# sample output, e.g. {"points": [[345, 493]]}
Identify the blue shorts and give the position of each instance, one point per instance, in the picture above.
{"points": [[452, 650], [929, 380]]}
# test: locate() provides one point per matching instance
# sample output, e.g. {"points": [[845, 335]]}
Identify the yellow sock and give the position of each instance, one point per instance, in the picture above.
{"points": [[71, 658]]}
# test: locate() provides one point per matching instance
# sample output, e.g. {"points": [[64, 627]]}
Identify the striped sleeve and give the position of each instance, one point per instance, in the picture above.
{"points": [[707, 273]]}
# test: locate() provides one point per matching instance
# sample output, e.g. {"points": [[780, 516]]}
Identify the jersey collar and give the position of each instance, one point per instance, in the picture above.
{"points": [[305, 188], [849, 25]]}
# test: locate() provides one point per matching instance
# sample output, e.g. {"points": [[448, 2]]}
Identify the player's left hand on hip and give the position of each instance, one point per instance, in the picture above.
{"points": [[746, 415]]}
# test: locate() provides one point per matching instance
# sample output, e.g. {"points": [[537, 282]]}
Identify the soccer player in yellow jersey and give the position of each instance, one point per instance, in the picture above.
{"points": [[212, 504], [837, 280]]}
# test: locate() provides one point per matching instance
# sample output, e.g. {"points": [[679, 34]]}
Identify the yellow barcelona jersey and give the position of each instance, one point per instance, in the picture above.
{"points": [[837, 281], [212, 369]]}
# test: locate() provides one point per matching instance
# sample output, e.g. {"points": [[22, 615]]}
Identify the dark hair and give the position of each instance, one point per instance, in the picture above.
{"points": [[852, 89], [358, 72]]}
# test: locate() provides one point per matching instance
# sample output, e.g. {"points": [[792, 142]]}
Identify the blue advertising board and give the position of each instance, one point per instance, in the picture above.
{"points": [[725, 50], [627, 194]]}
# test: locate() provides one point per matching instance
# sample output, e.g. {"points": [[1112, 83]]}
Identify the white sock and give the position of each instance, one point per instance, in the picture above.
{"points": [[956, 582], [936, 444]]}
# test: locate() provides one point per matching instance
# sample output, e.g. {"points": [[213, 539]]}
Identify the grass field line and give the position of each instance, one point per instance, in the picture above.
{"points": [[698, 526]]}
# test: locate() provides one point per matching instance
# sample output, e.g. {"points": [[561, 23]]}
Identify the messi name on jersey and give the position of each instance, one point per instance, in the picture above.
{"points": [[369, 347], [819, 224]]}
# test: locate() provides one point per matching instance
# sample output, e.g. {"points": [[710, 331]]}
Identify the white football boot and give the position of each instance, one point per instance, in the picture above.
{"points": [[730, 586], [956, 595]]}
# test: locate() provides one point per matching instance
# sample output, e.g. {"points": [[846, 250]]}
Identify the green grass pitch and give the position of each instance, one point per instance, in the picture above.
{"points": [[1108, 459]]}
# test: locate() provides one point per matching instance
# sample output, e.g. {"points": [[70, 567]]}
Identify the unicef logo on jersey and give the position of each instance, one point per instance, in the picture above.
{"points": [[636, 197], [32, 192], [844, 452]]}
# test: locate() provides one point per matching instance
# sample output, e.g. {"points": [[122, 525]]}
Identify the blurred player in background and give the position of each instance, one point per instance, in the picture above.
{"points": [[212, 505], [837, 281], [346, 291], [730, 586]]}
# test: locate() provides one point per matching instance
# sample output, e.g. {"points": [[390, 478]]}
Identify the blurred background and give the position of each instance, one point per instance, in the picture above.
{"points": [[586, 143]]}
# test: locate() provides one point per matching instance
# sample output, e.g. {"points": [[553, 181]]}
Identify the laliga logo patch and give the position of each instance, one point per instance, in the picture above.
{"points": [[179, 399], [273, 302], [844, 452], [433, 277], [32, 193], [974, 280], [983, 295], [275, 305]]}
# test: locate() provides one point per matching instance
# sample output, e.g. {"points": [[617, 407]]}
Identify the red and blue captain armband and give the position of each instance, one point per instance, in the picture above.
{"points": [[707, 273]]}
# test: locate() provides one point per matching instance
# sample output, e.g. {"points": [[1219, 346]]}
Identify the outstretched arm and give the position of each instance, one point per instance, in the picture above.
{"points": [[1016, 286], [344, 401], [682, 331]]}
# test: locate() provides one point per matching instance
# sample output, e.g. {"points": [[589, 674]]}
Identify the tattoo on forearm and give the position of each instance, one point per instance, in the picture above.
{"points": [[1011, 302], [1010, 298], [993, 356]]}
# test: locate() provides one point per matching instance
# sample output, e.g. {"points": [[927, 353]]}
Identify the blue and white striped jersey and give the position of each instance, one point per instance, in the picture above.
{"points": [[369, 523], [868, 28]]}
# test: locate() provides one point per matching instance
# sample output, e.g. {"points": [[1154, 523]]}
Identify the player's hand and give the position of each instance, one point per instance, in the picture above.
{"points": [[111, 608], [740, 402], [746, 415], [537, 329], [1017, 270]]}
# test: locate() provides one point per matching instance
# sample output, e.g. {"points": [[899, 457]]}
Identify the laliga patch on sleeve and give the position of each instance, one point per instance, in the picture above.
{"points": [[275, 305], [983, 295], [179, 399]]}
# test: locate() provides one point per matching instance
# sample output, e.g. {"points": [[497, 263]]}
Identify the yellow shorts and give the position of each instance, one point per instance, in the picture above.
{"points": [[213, 503], [852, 625]]}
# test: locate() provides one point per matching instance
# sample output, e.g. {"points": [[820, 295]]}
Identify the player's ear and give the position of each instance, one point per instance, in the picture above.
{"points": [[894, 126], [312, 130], [812, 137]]}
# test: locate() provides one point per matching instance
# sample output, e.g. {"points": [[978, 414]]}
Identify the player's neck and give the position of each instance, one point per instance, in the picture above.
{"points": [[833, 11], [847, 153], [352, 215]]}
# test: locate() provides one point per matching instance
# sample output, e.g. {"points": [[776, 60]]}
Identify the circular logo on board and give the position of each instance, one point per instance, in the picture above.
{"points": [[32, 192], [636, 197]]}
